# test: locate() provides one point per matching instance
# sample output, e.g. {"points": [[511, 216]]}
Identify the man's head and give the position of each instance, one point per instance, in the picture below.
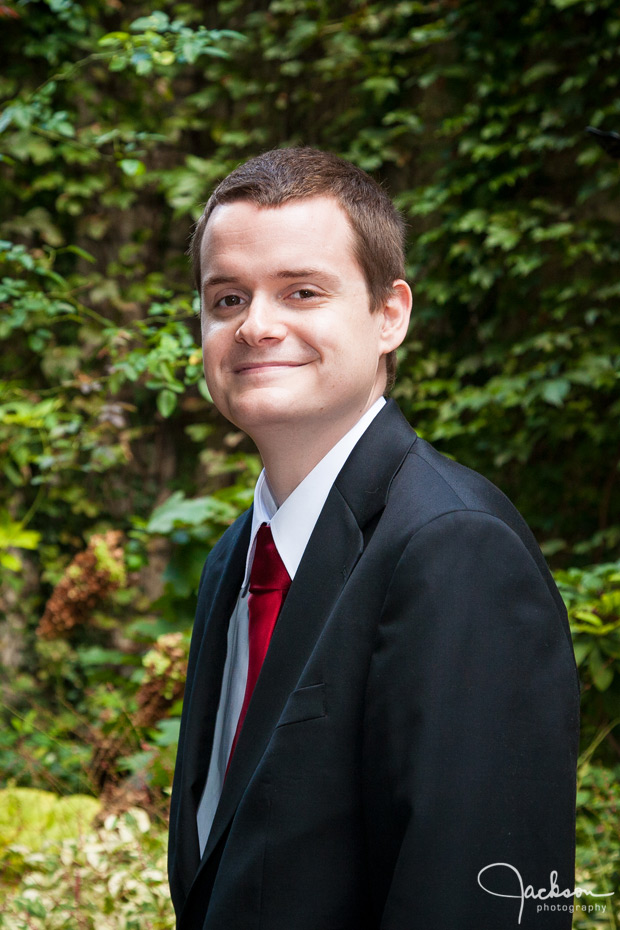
{"points": [[297, 257], [281, 176]]}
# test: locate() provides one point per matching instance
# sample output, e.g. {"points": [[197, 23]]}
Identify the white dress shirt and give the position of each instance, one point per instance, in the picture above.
{"points": [[291, 525]]}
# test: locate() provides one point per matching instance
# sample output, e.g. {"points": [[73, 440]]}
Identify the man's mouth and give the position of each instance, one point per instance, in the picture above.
{"points": [[257, 366]]}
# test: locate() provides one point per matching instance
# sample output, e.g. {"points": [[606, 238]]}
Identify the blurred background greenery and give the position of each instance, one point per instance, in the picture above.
{"points": [[118, 475]]}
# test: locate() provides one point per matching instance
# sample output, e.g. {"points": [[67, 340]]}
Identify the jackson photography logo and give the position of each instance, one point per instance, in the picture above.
{"points": [[543, 896]]}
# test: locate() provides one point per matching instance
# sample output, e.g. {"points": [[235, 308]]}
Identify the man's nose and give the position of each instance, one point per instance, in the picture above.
{"points": [[262, 322]]}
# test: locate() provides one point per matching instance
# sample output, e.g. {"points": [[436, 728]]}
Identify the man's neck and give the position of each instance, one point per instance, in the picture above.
{"points": [[289, 454]]}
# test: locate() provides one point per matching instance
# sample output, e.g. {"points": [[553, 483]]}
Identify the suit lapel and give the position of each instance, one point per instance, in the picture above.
{"points": [[365, 479], [336, 544]]}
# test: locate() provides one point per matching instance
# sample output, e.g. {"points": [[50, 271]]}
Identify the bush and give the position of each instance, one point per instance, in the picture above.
{"points": [[112, 878]]}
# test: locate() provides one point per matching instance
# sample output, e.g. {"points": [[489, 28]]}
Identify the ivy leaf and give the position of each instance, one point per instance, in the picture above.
{"points": [[132, 167], [156, 22], [555, 392], [166, 402]]}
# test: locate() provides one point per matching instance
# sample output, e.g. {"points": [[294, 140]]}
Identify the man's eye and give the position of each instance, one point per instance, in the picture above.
{"points": [[304, 293], [231, 300]]}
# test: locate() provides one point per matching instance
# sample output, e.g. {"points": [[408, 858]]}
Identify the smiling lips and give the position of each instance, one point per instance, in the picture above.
{"points": [[256, 366]]}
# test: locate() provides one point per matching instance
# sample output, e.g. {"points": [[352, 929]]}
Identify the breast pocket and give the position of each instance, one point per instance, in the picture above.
{"points": [[304, 704]]}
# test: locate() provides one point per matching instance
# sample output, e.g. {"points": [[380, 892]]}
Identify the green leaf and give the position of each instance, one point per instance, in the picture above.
{"points": [[381, 86], [582, 651], [168, 734], [95, 655], [204, 390], [6, 118], [555, 231], [601, 672], [181, 511], [132, 167], [164, 58], [12, 535], [76, 250], [588, 616], [166, 402], [540, 70], [157, 21], [10, 561], [113, 38], [555, 392]]}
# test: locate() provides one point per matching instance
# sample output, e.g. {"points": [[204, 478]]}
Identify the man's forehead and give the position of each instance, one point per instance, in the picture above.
{"points": [[300, 206], [316, 224]]}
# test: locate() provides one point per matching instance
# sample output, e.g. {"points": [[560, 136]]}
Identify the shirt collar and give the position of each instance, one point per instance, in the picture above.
{"points": [[293, 522]]}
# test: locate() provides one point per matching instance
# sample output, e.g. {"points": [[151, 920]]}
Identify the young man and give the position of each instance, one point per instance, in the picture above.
{"points": [[380, 720]]}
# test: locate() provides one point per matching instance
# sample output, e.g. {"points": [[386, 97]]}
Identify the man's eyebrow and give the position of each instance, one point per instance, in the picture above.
{"points": [[309, 274], [214, 279], [303, 273], [286, 275]]}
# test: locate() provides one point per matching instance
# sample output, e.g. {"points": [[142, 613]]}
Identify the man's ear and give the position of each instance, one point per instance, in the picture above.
{"points": [[396, 312]]}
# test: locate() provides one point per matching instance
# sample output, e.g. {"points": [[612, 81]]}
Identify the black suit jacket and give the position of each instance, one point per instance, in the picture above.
{"points": [[415, 719]]}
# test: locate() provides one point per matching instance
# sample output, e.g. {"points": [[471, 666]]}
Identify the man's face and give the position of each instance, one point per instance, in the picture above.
{"points": [[287, 332]]}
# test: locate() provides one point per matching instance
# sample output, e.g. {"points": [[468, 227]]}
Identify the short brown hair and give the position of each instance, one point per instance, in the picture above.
{"points": [[282, 175]]}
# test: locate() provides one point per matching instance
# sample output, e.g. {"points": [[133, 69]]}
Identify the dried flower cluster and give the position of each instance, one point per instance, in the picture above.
{"points": [[164, 681], [91, 576]]}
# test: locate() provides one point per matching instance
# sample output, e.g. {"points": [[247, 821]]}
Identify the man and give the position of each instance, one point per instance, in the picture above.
{"points": [[380, 732]]}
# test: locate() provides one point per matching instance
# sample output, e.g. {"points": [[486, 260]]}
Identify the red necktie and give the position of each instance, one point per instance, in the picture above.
{"points": [[269, 584]]}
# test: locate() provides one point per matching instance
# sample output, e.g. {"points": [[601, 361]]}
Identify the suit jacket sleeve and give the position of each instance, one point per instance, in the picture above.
{"points": [[470, 734]]}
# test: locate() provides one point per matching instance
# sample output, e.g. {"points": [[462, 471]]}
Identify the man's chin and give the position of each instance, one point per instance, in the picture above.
{"points": [[263, 410]]}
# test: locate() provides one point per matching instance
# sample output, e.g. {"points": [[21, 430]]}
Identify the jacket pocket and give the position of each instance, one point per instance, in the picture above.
{"points": [[304, 704]]}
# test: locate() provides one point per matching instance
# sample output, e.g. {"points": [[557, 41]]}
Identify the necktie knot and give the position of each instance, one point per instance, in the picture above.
{"points": [[268, 571]]}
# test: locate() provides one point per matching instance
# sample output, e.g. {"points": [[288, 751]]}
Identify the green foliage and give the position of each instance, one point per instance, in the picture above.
{"points": [[598, 843], [38, 745], [31, 818], [514, 262], [592, 596], [14, 536], [98, 355], [111, 878], [155, 43]]}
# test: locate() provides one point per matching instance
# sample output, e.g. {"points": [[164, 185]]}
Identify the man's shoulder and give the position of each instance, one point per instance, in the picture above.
{"points": [[449, 484], [433, 489], [417, 483]]}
